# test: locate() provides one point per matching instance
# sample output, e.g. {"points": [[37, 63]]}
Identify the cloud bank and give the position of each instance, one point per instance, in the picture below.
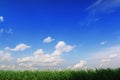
{"points": [[41, 59]]}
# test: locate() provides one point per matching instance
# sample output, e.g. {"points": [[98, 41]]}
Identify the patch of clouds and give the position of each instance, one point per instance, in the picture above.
{"points": [[5, 60], [107, 58], [1, 18], [46, 60], [38, 52], [6, 31], [48, 39], [62, 47], [7, 67], [41, 59], [103, 43], [19, 47], [9, 31], [80, 65], [112, 56], [5, 56]]}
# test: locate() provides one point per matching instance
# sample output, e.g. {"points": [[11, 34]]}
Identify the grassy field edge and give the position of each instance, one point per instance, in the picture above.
{"points": [[98, 74]]}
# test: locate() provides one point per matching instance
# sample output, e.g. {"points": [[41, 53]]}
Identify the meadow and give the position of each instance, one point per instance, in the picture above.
{"points": [[98, 74]]}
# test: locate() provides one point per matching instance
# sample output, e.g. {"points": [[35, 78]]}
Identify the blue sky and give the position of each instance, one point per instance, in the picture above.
{"points": [[74, 34]]}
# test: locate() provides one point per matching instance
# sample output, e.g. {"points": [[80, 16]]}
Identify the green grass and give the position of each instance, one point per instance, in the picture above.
{"points": [[98, 74]]}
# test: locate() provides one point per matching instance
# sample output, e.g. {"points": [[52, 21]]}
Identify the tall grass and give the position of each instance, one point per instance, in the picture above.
{"points": [[98, 74]]}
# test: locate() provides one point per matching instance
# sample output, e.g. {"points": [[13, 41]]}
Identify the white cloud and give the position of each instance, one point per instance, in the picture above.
{"points": [[46, 60], [1, 18], [80, 65], [5, 60], [5, 56], [103, 42], [48, 40], [40, 59], [20, 47], [39, 52], [62, 47]]}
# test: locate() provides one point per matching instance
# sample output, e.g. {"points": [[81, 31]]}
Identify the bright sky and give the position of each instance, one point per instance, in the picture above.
{"points": [[59, 34]]}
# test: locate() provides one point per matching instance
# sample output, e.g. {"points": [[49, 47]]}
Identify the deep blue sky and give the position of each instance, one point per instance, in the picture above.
{"points": [[86, 24]]}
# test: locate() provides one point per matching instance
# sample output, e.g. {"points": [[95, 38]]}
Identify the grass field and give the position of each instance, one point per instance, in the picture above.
{"points": [[98, 74]]}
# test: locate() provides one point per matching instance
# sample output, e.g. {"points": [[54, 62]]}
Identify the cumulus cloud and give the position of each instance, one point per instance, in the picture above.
{"points": [[1, 18], [5, 56], [19, 47], [48, 40], [80, 65], [62, 47], [38, 52], [41, 59]]}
